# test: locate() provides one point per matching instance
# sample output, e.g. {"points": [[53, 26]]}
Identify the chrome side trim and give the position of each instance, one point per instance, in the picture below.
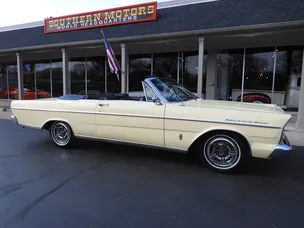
{"points": [[30, 126], [224, 122], [129, 115], [125, 126], [130, 143], [156, 117], [54, 110], [97, 113]]}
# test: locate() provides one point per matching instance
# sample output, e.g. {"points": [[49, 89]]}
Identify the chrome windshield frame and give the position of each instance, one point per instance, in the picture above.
{"points": [[154, 90], [159, 94]]}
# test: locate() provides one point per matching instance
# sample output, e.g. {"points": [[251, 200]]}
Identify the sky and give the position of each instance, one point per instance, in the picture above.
{"points": [[23, 11]]}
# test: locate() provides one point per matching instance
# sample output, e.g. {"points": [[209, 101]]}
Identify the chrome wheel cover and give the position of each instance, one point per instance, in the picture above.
{"points": [[61, 134], [222, 152]]}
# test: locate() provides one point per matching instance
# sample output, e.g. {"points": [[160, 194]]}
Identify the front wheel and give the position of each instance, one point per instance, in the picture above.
{"points": [[61, 134], [258, 102], [223, 153]]}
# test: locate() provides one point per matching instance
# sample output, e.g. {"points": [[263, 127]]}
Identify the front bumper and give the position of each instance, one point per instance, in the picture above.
{"points": [[14, 119], [283, 147]]}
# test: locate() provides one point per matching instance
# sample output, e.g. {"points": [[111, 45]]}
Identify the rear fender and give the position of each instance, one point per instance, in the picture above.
{"points": [[45, 125]]}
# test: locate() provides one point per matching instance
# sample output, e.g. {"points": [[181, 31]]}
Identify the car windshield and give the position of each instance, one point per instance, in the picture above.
{"points": [[171, 90]]}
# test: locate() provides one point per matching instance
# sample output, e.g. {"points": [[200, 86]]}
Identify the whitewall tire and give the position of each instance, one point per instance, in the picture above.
{"points": [[61, 134], [223, 152]]}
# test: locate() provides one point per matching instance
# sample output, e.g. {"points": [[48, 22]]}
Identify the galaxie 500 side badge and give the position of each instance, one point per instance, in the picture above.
{"points": [[246, 121]]}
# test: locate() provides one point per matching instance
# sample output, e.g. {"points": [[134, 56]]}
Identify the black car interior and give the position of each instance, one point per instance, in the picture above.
{"points": [[102, 96]]}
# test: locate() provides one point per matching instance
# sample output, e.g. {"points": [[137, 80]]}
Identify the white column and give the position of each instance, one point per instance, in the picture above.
{"points": [[200, 67], [127, 74], [20, 76], [211, 81], [123, 68], [300, 120], [65, 72]]}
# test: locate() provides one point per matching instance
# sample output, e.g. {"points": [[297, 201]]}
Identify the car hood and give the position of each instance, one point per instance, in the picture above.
{"points": [[232, 105]]}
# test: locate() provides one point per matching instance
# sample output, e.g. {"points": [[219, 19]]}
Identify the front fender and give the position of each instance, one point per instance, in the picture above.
{"points": [[222, 128]]}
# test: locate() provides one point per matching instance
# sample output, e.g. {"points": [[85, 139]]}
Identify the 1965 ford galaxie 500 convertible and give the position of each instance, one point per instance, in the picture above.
{"points": [[224, 134]]}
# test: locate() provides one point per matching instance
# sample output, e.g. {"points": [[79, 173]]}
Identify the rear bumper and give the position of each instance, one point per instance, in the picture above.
{"points": [[283, 147], [14, 119]]}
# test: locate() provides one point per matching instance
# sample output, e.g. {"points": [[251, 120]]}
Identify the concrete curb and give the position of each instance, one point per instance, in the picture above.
{"points": [[291, 129]]}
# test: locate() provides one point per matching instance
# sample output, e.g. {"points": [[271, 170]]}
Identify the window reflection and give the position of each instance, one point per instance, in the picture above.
{"points": [[43, 80], [288, 75], [3, 82], [139, 70], [259, 69], [258, 79], [57, 83], [12, 74], [149, 94], [29, 81], [229, 77], [165, 65], [189, 70], [77, 75], [95, 75]]}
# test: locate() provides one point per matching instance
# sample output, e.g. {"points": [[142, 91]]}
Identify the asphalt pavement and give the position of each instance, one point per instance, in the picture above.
{"points": [[107, 185]]}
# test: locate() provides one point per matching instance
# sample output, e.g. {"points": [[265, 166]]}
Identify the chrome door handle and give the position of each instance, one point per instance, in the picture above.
{"points": [[103, 105]]}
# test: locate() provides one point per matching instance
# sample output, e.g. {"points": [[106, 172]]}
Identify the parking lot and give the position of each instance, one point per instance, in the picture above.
{"points": [[107, 185]]}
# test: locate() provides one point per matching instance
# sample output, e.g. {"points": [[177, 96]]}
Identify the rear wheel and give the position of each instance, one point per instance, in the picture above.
{"points": [[62, 134], [223, 152]]}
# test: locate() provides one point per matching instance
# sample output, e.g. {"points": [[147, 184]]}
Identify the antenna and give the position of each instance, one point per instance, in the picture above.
{"points": [[102, 33]]}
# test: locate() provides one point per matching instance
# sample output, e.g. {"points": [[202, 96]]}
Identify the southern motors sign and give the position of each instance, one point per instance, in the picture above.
{"points": [[115, 16]]}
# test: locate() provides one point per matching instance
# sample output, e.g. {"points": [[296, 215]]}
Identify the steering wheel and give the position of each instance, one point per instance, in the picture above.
{"points": [[171, 96]]}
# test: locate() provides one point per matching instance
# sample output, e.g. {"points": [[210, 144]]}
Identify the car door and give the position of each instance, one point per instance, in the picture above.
{"points": [[131, 120], [80, 114]]}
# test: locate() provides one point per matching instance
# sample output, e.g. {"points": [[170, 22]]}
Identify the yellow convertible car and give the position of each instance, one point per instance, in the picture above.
{"points": [[224, 134]]}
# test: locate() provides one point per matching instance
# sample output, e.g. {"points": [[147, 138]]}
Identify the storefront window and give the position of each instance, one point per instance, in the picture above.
{"points": [[77, 75], [189, 70], [229, 74], [165, 65], [43, 79], [29, 81], [95, 75], [3, 82], [288, 73], [205, 75], [139, 70], [113, 85], [57, 82], [259, 70], [12, 75], [271, 75]]}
